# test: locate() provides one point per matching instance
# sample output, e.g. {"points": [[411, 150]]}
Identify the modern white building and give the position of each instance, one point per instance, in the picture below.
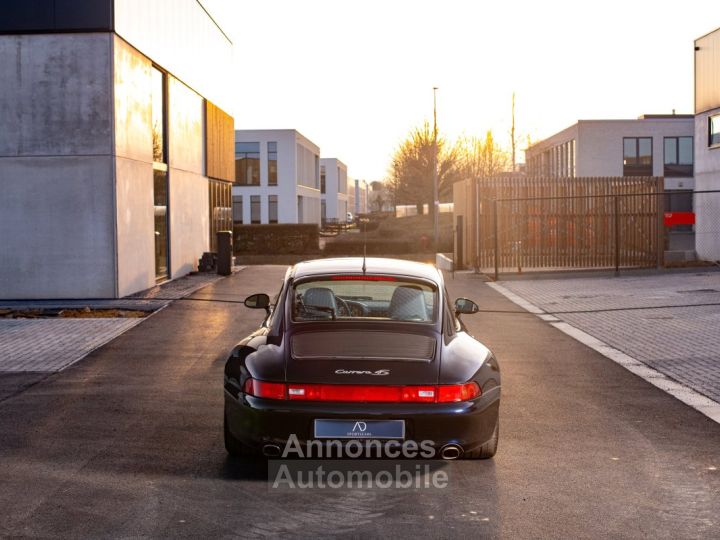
{"points": [[652, 145], [358, 197], [115, 151], [333, 190], [277, 177], [707, 145]]}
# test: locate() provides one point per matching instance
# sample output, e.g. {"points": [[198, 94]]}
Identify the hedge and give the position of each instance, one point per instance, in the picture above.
{"points": [[374, 247], [276, 238]]}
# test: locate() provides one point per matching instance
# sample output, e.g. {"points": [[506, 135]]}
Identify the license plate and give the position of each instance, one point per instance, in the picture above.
{"points": [[359, 429]]}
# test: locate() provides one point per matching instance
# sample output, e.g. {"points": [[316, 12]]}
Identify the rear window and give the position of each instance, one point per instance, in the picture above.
{"points": [[364, 297]]}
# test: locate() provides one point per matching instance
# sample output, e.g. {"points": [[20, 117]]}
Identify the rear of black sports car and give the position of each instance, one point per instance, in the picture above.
{"points": [[346, 379]]}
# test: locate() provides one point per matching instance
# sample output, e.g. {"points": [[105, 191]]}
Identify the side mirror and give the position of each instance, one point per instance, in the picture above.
{"points": [[258, 301], [463, 306]]}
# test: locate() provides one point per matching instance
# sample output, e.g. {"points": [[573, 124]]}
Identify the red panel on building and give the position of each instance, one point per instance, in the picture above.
{"points": [[679, 218]]}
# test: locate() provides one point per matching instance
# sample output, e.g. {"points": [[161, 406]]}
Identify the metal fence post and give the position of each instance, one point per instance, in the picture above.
{"points": [[616, 220], [497, 243], [661, 223]]}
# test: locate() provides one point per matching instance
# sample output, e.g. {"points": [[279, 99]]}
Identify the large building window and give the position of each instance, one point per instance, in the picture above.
{"points": [[714, 130], [273, 209], [637, 156], [158, 115], [272, 164], [678, 156], [322, 178], [158, 103], [247, 163], [221, 218], [237, 209], [255, 209], [317, 172]]}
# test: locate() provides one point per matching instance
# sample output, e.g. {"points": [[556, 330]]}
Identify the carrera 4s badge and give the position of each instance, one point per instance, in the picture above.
{"points": [[379, 372]]}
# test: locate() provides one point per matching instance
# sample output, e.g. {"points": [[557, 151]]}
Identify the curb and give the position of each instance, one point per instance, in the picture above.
{"points": [[690, 397]]}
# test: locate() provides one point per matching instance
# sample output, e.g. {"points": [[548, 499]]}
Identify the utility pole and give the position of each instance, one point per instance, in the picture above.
{"points": [[512, 133], [436, 196]]}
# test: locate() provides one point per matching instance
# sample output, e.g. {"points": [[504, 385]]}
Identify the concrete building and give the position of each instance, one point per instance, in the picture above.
{"points": [[333, 190], [707, 145], [277, 177], [652, 145], [115, 147], [358, 197]]}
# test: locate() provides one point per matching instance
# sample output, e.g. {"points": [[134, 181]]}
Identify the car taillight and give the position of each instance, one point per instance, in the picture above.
{"points": [[264, 389], [366, 393], [458, 392], [362, 393]]}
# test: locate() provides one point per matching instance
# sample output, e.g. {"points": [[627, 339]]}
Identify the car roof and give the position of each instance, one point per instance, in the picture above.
{"points": [[373, 265]]}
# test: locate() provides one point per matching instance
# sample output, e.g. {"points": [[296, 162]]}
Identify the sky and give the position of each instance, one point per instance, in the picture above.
{"points": [[356, 77]]}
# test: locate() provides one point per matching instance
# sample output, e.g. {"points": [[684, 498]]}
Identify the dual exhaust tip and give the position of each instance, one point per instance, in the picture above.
{"points": [[447, 452], [271, 450], [451, 451]]}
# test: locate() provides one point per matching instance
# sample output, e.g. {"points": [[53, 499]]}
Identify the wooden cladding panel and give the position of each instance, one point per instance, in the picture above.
{"points": [[220, 144]]}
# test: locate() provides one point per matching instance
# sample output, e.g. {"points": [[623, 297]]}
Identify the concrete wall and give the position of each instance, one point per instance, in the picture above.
{"points": [[189, 221], [183, 39], [133, 170], [189, 192], [56, 173], [707, 177], [189, 206]]}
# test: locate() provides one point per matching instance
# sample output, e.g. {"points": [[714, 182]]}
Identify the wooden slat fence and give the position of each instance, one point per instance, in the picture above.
{"points": [[560, 223]]}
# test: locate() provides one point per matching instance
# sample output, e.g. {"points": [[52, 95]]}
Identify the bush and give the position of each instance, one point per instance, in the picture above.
{"points": [[276, 238]]}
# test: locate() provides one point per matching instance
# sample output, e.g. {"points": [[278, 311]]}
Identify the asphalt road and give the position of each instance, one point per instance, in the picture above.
{"points": [[128, 443]]}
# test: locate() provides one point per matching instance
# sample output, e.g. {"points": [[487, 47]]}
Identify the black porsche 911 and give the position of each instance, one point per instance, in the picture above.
{"points": [[357, 348]]}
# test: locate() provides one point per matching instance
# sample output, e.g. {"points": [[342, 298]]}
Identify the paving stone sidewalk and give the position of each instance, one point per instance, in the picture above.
{"points": [[53, 344], [670, 322]]}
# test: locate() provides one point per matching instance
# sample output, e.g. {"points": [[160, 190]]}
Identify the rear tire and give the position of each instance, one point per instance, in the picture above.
{"points": [[233, 446], [489, 449]]}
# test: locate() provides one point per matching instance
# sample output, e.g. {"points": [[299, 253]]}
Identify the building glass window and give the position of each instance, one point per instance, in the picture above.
{"points": [[317, 172], [714, 130], [247, 163], [158, 115], [237, 209], [160, 201], [273, 208], [255, 209], [322, 178], [221, 218], [637, 156], [272, 163], [323, 210], [158, 104], [678, 156]]}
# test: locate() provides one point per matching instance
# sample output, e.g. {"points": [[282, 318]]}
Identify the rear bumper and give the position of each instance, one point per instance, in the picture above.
{"points": [[256, 421]]}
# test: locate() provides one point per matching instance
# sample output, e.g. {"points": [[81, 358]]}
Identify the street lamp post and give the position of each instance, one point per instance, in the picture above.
{"points": [[436, 196]]}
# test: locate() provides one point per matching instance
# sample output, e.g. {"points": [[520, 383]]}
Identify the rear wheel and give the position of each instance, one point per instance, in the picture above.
{"points": [[233, 446], [487, 450]]}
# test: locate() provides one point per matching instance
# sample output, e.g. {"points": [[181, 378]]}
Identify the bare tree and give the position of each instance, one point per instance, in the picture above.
{"points": [[411, 169], [479, 157]]}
